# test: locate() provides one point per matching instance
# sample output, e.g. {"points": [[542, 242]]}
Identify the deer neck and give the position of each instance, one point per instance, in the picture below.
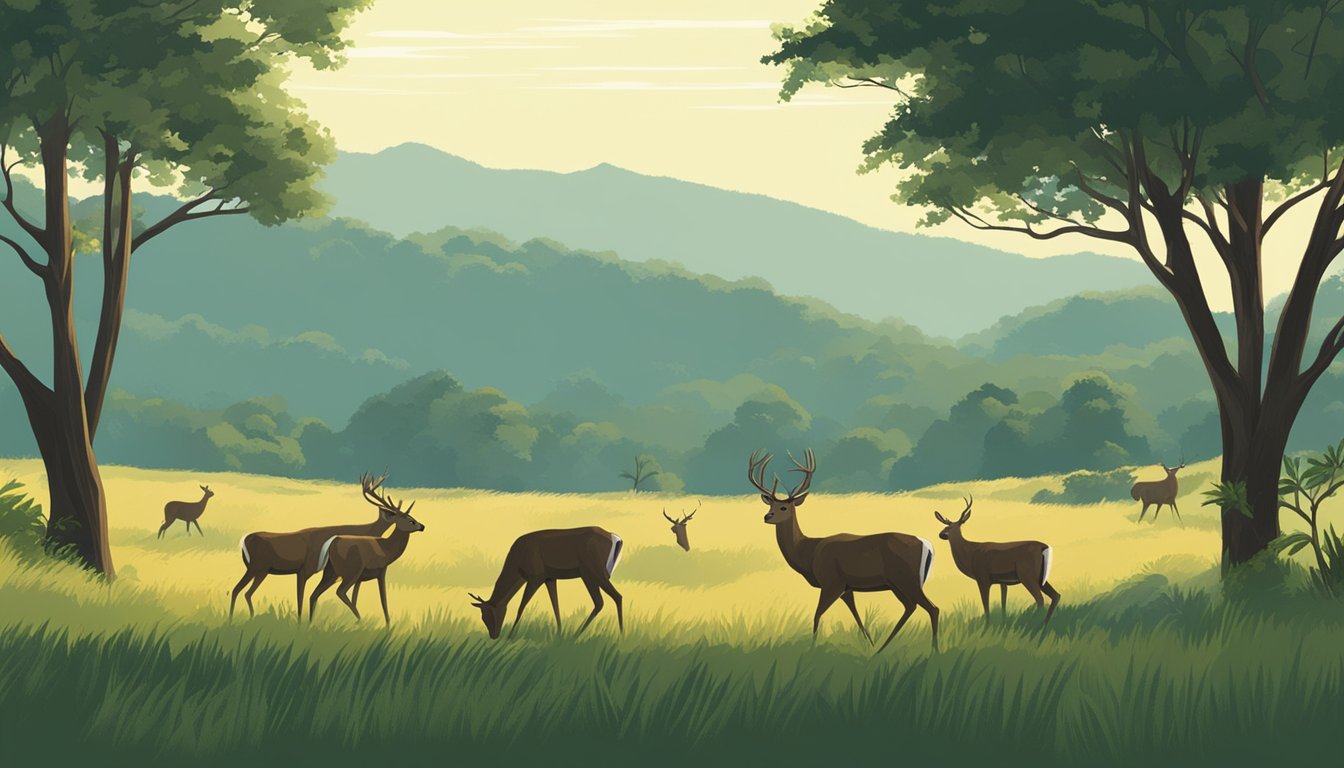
{"points": [[201, 504], [395, 545], [508, 583], [796, 547], [961, 550]]}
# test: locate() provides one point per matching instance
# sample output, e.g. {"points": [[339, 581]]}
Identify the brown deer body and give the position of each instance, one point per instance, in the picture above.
{"points": [[1158, 492], [590, 554], [353, 559], [189, 512], [679, 527], [843, 564], [1003, 563], [298, 552]]}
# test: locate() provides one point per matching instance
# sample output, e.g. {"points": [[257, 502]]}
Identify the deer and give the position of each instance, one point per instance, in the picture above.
{"points": [[843, 564], [1159, 492], [1003, 563], [189, 512], [590, 554], [679, 527], [354, 559], [298, 552]]}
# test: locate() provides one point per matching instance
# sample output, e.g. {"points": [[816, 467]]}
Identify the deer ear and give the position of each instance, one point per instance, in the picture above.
{"points": [[798, 500], [768, 499]]}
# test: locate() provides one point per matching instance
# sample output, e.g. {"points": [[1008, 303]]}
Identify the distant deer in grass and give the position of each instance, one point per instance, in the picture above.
{"points": [[543, 557], [354, 559], [843, 564], [1003, 563], [189, 512], [679, 527], [297, 552], [1159, 492]]}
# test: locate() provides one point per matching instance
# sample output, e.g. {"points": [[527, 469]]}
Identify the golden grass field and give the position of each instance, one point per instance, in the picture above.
{"points": [[734, 570]]}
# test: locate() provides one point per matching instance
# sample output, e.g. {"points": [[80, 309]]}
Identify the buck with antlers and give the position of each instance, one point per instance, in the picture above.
{"points": [[188, 512], [543, 557], [298, 552], [843, 564], [1159, 492], [355, 559], [679, 527], [1003, 563]]}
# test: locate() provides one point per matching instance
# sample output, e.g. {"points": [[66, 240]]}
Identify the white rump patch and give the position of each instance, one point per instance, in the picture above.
{"points": [[242, 544], [322, 556], [1045, 565], [925, 560], [614, 558]]}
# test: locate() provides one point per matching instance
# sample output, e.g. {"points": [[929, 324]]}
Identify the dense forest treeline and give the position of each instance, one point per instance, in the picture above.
{"points": [[462, 358], [598, 361]]}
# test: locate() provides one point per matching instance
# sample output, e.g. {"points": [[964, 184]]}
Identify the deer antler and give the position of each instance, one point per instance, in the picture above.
{"points": [[756, 469], [687, 518], [807, 470], [669, 519], [476, 597], [966, 513], [940, 518], [370, 487]]}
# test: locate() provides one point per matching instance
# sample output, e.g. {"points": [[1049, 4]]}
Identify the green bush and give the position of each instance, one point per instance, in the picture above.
{"points": [[22, 524], [1089, 488]]}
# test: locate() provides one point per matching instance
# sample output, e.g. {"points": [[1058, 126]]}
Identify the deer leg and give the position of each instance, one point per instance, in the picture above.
{"points": [[1157, 510], [248, 594], [1143, 511], [197, 523], [848, 597], [827, 599], [354, 593], [166, 524], [343, 592], [323, 584], [555, 604], [233, 600], [610, 589], [188, 524], [528, 592], [301, 581], [1003, 595], [1053, 594], [1175, 509], [984, 598], [923, 602], [596, 594], [382, 596], [909, 609]]}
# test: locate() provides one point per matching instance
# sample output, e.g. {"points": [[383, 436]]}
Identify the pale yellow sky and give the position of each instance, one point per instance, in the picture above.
{"points": [[658, 87]]}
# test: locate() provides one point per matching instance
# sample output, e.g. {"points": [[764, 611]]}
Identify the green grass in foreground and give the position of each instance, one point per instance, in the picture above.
{"points": [[1149, 673]]}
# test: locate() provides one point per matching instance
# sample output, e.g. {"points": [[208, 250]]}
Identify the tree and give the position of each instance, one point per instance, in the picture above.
{"points": [[186, 95], [1165, 128], [644, 472]]}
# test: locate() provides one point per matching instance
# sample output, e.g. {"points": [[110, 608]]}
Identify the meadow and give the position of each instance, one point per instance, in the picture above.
{"points": [[1149, 658]]}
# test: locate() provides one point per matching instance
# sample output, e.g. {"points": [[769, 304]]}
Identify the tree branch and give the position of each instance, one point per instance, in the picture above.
{"points": [[187, 212], [1331, 346], [23, 378], [37, 269], [34, 231], [976, 222], [1288, 204]]}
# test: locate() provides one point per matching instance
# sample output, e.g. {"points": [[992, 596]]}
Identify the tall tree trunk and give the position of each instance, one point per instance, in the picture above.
{"points": [[1252, 456], [77, 517]]}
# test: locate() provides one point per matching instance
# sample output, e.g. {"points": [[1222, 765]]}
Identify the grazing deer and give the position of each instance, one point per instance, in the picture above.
{"points": [[1159, 492], [354, 559], [843, 564], [298, 552], [679, 527], [1003, 563], [188, 512], [542, 557]]}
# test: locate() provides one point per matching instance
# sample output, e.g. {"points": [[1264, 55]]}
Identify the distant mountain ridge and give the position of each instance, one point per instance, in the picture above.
{"points": [[946, 287]]}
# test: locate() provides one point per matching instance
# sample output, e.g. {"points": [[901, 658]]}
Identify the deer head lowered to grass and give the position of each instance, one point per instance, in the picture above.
{"points": [[1159, 492], [189, 512], [543, 557], [297, 552], [1003, 563], [843, 564], [679, 527], [355, 559]]}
